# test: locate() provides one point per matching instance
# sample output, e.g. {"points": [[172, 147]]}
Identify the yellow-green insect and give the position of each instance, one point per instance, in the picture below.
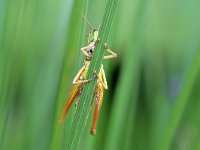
{"points": [[80, 78]]}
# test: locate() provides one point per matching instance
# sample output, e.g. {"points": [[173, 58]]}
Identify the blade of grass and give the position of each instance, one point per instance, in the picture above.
{"points": [[181, 102], [125, 88], [73, 43], [81, 113], [8, 64]]}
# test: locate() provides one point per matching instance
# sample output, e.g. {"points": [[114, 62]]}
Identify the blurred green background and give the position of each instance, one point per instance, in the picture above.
{"points": [[153, 98]]}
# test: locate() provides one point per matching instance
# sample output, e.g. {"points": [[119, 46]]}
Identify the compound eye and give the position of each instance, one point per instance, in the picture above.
{"points": [[91, 51]]}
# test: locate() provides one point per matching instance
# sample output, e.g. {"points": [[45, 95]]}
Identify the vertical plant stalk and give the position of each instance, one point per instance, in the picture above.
{"points": [[73, 41], [181, 103], [88, 90], [122, 98]]}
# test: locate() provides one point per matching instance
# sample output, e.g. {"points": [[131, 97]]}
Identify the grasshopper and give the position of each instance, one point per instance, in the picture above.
{"points": [[80, 78]]}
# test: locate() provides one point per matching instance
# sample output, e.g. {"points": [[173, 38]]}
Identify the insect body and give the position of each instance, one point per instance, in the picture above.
{"points": [[80, 78]]}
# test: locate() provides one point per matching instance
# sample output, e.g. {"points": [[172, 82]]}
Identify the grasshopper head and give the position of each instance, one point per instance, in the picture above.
{"points": [[92, 36]]}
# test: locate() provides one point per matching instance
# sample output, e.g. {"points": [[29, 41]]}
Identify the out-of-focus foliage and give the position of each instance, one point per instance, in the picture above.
{"points": [[153, 100]]}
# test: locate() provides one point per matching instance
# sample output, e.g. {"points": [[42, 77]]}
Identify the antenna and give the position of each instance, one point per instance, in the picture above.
{"points": [[87, 22]]}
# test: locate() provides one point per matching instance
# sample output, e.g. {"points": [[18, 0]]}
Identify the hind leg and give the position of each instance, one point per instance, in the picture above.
{"points": [[99, 98]]}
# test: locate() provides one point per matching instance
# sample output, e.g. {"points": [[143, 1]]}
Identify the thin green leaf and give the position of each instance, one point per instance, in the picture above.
{"points": [[181, 102], [81, 113]]}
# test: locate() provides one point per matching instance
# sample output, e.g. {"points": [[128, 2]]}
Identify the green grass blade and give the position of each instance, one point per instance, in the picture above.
{"points": [[181, 102], [81, 113], [125, 88], [73, 41]]}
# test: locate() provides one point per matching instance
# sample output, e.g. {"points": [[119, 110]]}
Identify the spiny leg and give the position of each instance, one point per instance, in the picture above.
{"points": [[84, 52], [101, 84], [74, 93], [84, 81], [102, 78], [81, 72], [99, 98], [112, 54]]}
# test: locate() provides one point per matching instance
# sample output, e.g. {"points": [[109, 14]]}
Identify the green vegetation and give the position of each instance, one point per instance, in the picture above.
{"points": [[153, 99], [85, 98]]}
